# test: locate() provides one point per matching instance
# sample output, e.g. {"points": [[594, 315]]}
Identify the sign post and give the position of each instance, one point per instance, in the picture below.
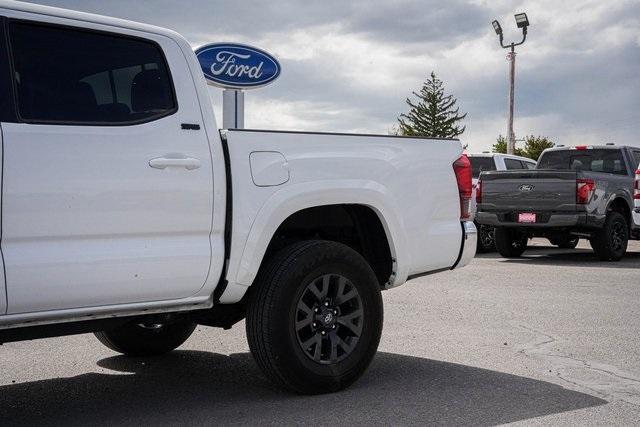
{"points": [[235, 67], [232, 109]]}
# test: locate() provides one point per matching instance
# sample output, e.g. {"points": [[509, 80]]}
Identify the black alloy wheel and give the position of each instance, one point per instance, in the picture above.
{"points": [[610, 242], [329, 319], [618, 236], [486, 238]]}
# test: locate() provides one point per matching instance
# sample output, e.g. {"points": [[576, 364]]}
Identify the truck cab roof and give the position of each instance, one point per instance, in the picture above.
{"points": [[86, 17]]}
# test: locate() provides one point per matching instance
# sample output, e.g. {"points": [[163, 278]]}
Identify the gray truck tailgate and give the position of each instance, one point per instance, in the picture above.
{"points": [[529, 191]]}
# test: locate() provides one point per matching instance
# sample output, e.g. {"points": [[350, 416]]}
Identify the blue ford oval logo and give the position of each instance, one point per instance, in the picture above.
{"points": [[237, 66]]}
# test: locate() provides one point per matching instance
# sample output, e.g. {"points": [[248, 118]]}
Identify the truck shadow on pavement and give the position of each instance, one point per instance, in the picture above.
{"points": [[567, 258], [194, 387]]}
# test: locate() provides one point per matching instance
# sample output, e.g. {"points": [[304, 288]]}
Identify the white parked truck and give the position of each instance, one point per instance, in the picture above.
{"points": [[127, 213]]}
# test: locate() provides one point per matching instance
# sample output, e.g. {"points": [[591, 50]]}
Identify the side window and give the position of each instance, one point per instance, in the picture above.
{"points": [[513, 164], [636, 155], [480, 164], [529, 165], [67, 76]]}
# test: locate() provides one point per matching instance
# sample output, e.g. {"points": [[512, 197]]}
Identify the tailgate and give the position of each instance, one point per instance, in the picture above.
{"points": [[529, 191]]}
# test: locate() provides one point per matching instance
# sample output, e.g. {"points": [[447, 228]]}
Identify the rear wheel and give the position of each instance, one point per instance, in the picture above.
{"points": [[486, 238], [610, 242], [510, 242], [146, 339], [314, 319]]}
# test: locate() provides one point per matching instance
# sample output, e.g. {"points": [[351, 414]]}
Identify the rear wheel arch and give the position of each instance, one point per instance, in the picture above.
{"points": [[619, 204], [356, 225]]}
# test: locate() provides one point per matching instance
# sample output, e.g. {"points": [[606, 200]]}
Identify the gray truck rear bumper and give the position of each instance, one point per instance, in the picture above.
{"points": [[584, 220]]}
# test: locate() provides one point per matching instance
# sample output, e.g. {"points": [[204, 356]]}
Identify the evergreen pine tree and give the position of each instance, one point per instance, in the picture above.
{"points": [[434, 114], [533, 146]]}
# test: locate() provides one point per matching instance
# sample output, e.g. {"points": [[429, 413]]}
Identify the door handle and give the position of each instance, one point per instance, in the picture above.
{"points": [[188, 163]]}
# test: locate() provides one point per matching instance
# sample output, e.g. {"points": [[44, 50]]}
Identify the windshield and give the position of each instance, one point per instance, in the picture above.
{"points": [[606, 161], [479, 164]]}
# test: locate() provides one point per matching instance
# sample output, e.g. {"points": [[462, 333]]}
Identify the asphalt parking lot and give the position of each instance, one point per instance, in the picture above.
{"points": [[551, 338]]}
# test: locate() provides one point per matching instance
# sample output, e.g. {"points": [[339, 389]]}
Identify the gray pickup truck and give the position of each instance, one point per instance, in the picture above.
{"points": [[574, 192]]}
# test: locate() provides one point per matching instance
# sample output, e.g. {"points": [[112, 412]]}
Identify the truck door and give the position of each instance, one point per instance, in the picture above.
{"points": [[107, 198]]}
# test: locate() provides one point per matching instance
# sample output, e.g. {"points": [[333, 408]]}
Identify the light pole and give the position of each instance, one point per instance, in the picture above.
{"points": [[522, 22]]}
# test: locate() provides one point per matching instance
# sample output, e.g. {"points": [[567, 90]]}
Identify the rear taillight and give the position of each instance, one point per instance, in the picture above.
{"points": [[462, 169], [636, 191], [479, 192], [584, 190]]}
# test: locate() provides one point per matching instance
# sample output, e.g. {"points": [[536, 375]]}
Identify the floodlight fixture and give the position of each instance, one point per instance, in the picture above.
{"points": [[522, 21], [497, 27]]}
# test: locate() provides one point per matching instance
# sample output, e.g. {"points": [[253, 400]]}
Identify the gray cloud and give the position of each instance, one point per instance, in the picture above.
{"points": [[577, 78]]}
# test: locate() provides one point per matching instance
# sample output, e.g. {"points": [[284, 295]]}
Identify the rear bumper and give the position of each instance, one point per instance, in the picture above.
{"points": [[577, 220], [466, 254], [469, 241]]}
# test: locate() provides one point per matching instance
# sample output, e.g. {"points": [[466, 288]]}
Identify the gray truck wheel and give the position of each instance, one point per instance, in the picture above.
{"points": [[610, 242], [486, 238], [510, 242], [146, 339], [314, 317]]}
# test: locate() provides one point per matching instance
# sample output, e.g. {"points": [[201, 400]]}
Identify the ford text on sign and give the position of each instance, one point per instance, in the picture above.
{"points": [[237, 66]]}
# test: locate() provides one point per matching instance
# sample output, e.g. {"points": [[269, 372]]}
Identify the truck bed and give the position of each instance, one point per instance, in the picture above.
{"points": [[410, 181]]}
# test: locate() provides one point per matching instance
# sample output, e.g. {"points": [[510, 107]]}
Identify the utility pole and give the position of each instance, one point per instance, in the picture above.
{"points": [[511, 137], [521, 22]]}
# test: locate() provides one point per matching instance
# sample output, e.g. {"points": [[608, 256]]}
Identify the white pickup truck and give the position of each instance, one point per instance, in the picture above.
{"points": [[127, 213]]}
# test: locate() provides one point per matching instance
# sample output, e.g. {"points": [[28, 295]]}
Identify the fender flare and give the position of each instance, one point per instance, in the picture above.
{"points": [[293, 198], [625, 197]]}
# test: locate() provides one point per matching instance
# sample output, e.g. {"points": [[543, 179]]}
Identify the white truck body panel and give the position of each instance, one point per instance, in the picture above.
{"points": [[90, 230], [87, 222], [400, 178]]}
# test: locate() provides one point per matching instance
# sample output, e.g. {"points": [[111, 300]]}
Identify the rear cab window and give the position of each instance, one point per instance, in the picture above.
{"points": [[480, 164], [64, 75], [513, 164], [592, 160]]}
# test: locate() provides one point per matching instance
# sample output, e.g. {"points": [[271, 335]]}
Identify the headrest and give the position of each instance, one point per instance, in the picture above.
{"points": [[150, 90]]}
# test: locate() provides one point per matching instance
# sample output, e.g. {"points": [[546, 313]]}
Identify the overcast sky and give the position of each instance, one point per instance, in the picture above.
{"points": [[348, 65]]}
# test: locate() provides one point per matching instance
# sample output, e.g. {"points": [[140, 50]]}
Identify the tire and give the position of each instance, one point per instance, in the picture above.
{"points": [[486, 239], [510, 242], [610, 242], [134, 339], [566, 242], [286, 317]]}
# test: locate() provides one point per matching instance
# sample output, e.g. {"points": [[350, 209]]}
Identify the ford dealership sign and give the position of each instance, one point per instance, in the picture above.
{"points": [[237, 66]]}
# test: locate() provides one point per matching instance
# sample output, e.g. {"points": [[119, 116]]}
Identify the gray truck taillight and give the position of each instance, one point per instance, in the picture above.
{"points": [[636, 187], [584, 190], [464, 176]]}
